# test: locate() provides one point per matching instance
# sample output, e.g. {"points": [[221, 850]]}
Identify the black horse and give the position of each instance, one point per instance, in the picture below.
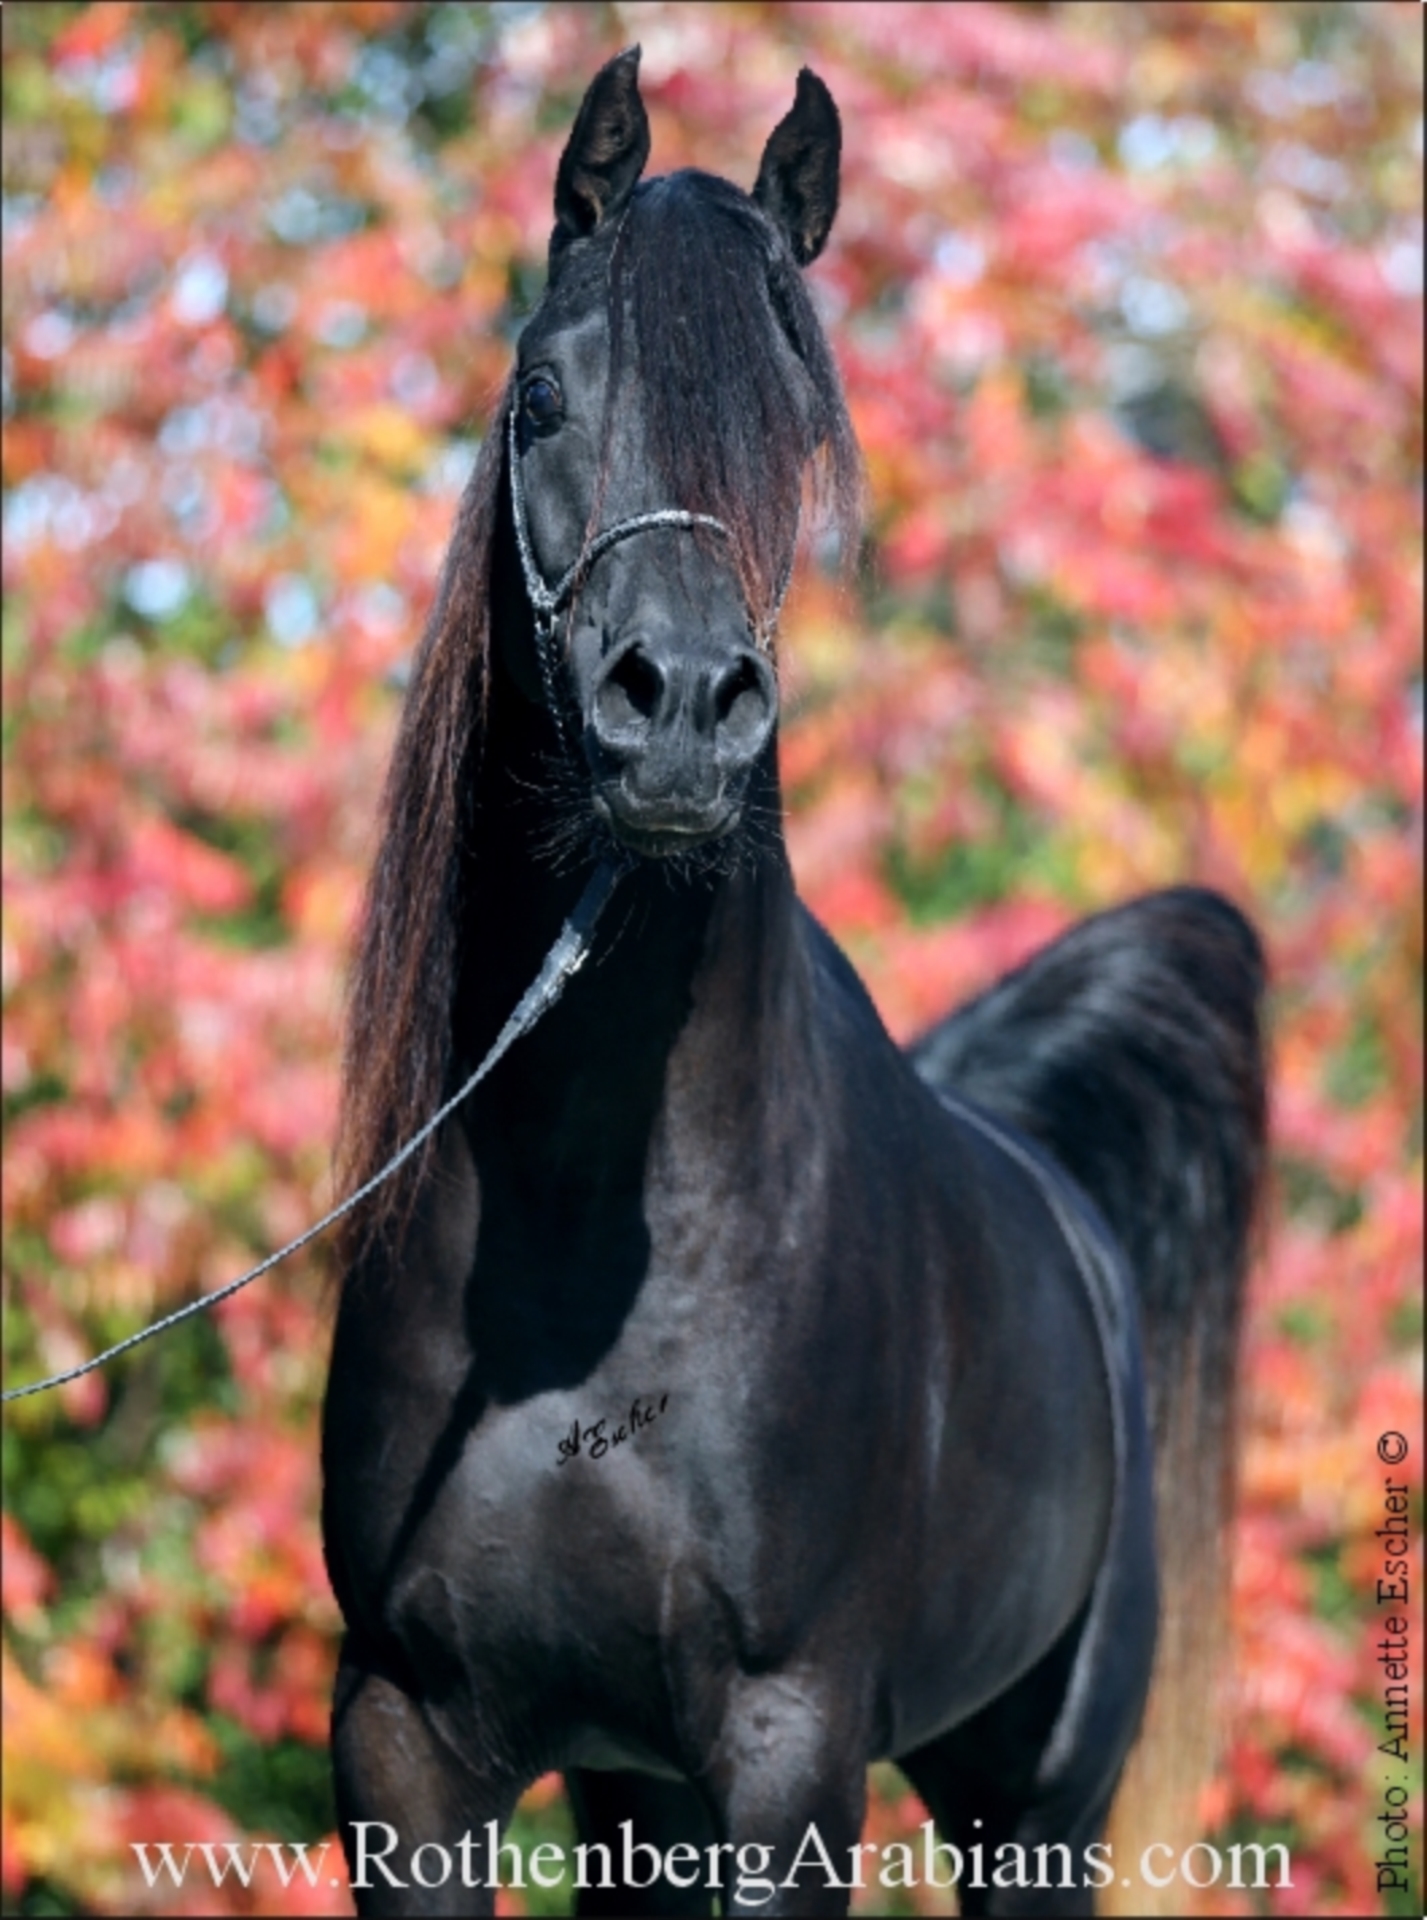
{"points": [[727, 1399]]}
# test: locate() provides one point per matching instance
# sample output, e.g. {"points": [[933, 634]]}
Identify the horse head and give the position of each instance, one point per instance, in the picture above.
{"points": [[672, 389]]}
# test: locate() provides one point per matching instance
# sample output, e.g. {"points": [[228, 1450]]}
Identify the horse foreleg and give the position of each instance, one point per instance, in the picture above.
{"points": [[789, 1787], [661, 1814], [412, 1814]]}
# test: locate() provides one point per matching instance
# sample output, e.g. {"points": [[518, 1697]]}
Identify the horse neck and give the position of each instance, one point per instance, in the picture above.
{"points": [[703, 966]]}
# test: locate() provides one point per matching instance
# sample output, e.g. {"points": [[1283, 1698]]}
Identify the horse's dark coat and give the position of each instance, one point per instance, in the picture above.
{"points": [[897, 1501]]}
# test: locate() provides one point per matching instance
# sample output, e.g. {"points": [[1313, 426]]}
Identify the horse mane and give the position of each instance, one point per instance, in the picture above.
{"points": [[692, 343], [719, 424], [396, 1055]]}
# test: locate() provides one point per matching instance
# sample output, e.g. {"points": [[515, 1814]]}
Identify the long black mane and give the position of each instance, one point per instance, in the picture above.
{"points": [[710, 370]]}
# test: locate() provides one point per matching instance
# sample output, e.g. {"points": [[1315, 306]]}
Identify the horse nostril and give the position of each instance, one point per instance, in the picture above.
{"points": [[739, 680], [629, 693], [742, 704], [632, 687]]}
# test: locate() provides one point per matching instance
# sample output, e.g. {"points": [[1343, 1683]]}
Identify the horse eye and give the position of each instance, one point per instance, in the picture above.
{"points": [[541, 401]]}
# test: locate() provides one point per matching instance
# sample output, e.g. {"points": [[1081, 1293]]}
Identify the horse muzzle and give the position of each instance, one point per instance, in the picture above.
{"points": [[673, 733]]}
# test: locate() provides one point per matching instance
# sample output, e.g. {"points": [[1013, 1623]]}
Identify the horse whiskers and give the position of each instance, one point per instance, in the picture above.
{"points": [[567, 823], [569, 831]]}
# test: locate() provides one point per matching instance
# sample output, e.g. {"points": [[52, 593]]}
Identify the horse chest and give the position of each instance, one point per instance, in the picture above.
{"points": [[543, 1539]]}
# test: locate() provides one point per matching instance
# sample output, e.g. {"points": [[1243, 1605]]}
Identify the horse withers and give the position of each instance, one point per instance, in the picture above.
{"points": [[727, 1399]]}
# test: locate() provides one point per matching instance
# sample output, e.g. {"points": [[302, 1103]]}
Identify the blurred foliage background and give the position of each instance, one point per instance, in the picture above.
{"points": [[1128, 302]]}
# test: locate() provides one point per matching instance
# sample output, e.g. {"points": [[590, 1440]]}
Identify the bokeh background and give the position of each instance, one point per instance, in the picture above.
{"points": [[1128, 301]]}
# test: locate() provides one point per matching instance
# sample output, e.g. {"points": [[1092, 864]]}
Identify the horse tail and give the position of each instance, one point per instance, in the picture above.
{"points": [[1132, 1049]]}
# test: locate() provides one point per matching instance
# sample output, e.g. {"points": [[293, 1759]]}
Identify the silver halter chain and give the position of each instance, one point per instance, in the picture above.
{"points": [[546, 602]]}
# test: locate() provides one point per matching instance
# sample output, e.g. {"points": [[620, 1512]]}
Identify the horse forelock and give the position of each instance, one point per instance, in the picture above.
{"points": [[705, 304]]}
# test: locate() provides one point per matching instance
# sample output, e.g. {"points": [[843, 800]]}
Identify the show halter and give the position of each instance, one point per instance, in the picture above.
{"points": [[546, 602]]}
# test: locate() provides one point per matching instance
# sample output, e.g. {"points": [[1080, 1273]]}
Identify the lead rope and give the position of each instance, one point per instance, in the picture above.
{"points": [[571, 947], [565, 958]]}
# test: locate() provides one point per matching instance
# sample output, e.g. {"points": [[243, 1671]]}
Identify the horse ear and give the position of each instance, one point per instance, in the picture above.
{"points": [[797, 176], [604, 155]]}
